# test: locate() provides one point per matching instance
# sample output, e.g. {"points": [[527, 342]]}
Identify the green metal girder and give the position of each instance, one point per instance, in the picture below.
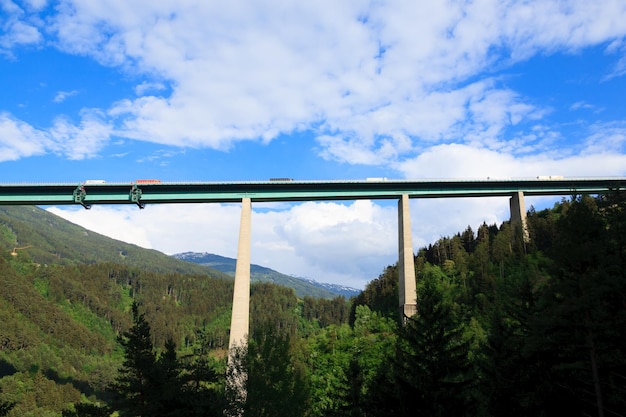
{"points": [[88, 194]]}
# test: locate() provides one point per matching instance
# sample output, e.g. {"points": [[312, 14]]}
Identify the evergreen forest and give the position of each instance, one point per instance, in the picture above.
{"points": [[508, 323]]}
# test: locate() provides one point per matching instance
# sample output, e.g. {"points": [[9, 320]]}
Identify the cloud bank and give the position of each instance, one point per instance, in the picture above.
{"points": [[378, 82]]}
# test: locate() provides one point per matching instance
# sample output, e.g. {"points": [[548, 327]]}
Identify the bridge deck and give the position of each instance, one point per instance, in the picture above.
{"points": [[155, 192]]}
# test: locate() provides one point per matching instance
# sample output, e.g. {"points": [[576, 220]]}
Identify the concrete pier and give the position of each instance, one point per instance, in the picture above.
{"points": [[240, 320], [518, 214], [406, 262]]}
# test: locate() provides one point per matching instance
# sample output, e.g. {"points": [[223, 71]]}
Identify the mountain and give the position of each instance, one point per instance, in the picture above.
{"points": [[49, 239], [259, 273]]}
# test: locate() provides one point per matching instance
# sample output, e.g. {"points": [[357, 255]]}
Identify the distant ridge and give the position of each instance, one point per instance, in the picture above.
{"points": [[258, 273]]}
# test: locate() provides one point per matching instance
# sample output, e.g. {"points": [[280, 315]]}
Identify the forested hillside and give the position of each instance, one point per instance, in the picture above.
{"points": [[66, 301], [505, 327]]}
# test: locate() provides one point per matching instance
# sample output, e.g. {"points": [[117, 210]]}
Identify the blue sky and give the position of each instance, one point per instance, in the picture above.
{"points": [[249, 90]]}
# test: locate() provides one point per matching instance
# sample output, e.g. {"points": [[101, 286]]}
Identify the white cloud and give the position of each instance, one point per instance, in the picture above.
{"points": [[581, 105], [606, 138], [145, 86], [600, 158], [118, 223], [462, 161], [83, 140], [617, 46], [432, 219], [355, 239], [19, 33], [619, 69], [19, 140], [378, 78], [36, 4], [62, 95], [16, 29], [476, 114]]}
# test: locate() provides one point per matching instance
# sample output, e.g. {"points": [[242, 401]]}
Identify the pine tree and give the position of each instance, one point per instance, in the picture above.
{"points": [[274, 386], [168, 384], [432, 366], [135, 384], [202, 385]]}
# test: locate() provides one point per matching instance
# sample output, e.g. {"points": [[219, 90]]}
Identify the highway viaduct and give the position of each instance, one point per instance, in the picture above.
{"points": [[142, 192]]}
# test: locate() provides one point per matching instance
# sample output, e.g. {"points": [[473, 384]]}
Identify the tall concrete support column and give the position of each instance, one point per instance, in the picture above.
{"points": [[406, 262], [518, 214], [240, 320]]}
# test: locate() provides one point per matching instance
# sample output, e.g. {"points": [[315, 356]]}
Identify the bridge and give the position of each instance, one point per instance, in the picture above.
{"points": [[143, 192]]}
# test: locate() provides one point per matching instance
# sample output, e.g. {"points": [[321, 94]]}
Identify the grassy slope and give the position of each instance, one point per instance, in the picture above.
{"points": [[52, 240]]}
